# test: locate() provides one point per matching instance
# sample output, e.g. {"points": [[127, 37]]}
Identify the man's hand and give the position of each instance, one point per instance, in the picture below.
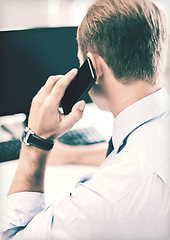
{"points": [[45, 119]]}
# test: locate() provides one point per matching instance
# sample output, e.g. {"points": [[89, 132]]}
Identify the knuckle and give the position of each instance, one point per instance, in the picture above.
{"points": [[36, 100], [61, 84], [46, 104], [53, 78], [50, 79]]}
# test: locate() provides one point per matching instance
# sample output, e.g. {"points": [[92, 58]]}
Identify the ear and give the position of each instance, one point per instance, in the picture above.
{"points": [[97, 64]]}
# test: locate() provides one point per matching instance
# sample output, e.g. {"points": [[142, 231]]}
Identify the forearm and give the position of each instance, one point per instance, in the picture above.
{"points": [[30, 172], [45, 121]]}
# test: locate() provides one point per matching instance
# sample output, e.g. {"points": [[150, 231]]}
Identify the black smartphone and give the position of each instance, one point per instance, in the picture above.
{"points": [[79, 86]]}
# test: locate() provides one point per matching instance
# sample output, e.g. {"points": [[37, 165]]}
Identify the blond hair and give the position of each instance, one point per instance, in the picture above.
{"points": [[128, 34]]}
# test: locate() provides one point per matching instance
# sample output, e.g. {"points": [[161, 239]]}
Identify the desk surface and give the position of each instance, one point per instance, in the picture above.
{"points": [[59, 180]]}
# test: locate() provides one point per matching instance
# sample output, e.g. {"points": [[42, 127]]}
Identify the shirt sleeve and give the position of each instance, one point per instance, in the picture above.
{"points": [[19, 210], [72, 218]]}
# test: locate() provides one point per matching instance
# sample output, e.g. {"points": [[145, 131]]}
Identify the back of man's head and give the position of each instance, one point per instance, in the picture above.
{"points": [[130, 35]]}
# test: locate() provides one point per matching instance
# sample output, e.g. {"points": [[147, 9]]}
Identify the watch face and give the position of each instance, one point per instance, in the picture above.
{"points": [[25, 136]]}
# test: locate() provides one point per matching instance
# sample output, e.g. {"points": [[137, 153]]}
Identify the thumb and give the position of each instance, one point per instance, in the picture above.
{"points": [[75, 115], [77, 110], [79, 106]]}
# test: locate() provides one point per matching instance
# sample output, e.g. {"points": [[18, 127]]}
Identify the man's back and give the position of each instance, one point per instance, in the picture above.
{"points": [[128, 197]]}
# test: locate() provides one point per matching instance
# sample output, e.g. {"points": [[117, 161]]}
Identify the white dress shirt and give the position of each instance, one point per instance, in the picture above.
{"points": [[127, 198]]}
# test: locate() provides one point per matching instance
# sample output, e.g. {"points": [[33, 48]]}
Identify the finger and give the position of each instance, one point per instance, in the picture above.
{"points": [[48, 86], [79, 106], [50, 83], [60, 87], [75, 115]]}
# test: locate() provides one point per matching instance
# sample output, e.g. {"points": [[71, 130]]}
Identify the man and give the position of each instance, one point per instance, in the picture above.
{"points": [[129, 196]]}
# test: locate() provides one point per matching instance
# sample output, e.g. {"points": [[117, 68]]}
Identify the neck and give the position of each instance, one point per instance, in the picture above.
{"points": [[111, 95], [124, 95]]}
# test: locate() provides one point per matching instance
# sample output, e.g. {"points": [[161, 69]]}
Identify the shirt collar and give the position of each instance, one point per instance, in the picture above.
{"points": [[138, 113]]}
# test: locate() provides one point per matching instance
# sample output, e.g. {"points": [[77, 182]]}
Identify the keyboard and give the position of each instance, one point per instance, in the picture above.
{"points": [[82, 136], [10, 150]]}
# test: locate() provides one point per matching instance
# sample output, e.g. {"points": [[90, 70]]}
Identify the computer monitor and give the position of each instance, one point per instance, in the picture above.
{"points": [[28, 58]]}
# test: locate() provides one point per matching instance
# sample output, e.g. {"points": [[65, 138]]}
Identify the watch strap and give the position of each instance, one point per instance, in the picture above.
{"points": [[30, 138]]}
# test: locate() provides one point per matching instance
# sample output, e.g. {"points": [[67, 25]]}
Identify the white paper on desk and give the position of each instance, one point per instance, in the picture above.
{"points": [[11, 126]]}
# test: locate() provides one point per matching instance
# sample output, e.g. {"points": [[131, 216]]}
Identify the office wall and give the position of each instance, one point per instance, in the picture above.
{"points": [[66, 12], [21, 14], [165, 6]]}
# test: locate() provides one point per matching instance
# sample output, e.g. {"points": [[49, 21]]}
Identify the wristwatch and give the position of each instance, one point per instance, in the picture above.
{"points": [[30, 138]]}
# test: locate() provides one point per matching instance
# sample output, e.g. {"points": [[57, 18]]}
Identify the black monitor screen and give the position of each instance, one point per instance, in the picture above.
{"points": [[28, 58]]}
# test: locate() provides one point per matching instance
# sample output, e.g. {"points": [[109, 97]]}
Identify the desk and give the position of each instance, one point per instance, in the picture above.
{"points": [[60, 179]]}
